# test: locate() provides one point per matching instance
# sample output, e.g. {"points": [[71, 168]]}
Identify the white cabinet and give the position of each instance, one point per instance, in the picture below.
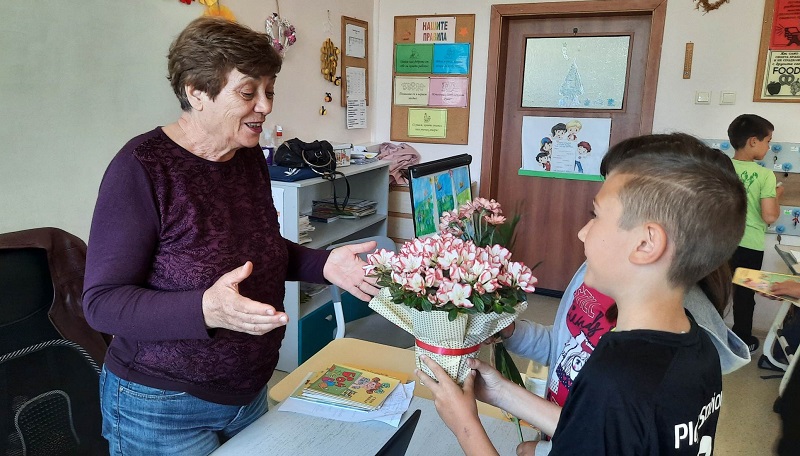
{"points": [[311, 324]]}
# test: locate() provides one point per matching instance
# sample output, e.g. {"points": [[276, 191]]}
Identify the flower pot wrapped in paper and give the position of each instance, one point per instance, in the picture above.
{"points": [[450, 294]]}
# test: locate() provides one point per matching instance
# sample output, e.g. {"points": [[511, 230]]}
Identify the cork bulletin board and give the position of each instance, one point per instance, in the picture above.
{"points": [[431, 78], [355, 53]]}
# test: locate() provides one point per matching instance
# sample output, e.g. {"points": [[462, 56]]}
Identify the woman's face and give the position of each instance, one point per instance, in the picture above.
{"points": [[234, 119]]}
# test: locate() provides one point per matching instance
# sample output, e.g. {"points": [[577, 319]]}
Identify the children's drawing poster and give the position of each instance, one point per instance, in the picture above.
{"points": [[564, 147]]}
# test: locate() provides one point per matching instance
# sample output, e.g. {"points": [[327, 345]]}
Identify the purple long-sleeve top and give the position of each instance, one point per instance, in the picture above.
{"points": [[166, 226]]}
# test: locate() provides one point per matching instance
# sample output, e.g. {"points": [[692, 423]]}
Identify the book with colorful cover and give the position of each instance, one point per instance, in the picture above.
{"points": [[349, 387], [761, 281]]}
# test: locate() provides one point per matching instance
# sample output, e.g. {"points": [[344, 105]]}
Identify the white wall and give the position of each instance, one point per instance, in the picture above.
{"points": [[725, 57], [79, 79]]}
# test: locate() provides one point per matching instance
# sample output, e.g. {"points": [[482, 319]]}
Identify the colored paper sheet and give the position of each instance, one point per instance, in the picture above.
{"points": [[435, 30], [427, 123], [451, 92], [451, 58], [413, 58], [411, 91]]}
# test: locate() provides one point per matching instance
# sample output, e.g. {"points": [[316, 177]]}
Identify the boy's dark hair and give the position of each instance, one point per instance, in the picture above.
{"points": [[541, 155], [558, 127], [748, 126], [689, 189], [209, 48]]}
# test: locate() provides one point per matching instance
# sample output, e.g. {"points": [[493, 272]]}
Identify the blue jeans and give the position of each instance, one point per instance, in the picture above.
{"points": [[140, 420]]}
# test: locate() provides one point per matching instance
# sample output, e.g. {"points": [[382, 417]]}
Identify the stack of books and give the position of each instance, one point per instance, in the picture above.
{"points": [[355, 207], [348, 387], [304, 228]]}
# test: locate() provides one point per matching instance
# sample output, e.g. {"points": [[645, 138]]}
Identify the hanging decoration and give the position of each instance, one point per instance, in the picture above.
{"points": [[214, 9], [706, 5], [328, 97], [281, 31], [329, 59]]}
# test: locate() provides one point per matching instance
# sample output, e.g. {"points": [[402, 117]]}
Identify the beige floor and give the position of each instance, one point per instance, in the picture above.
{"points": [[747, 425]]}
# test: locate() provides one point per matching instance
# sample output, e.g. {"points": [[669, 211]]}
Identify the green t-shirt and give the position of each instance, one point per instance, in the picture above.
{"points": [[759, 183]]}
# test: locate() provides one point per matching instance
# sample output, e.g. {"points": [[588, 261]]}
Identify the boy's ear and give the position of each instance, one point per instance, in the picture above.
{"points": [[651, 246]]}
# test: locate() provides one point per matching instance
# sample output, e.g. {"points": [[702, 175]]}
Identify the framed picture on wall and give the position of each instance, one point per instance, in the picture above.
{"points": [[778, 73]]}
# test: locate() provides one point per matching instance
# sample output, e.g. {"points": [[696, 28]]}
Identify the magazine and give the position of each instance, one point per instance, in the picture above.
{"points": [[761, 281], [349, 387]]}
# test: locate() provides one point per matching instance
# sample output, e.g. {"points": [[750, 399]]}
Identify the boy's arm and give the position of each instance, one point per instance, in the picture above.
{"points": [[770, 207]]}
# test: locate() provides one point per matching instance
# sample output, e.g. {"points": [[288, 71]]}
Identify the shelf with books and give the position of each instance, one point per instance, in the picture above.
{"points": [[369, 182]]}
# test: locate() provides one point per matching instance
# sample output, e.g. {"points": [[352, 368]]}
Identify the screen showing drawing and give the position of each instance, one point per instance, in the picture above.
{"points": [[436, 187]]}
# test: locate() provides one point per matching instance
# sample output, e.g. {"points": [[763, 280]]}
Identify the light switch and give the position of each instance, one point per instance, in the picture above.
{"points": [[727, 98], [702, 97]]}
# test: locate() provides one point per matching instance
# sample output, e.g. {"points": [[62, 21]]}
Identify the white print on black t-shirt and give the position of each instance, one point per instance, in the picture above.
{"points": [[689, 431]]}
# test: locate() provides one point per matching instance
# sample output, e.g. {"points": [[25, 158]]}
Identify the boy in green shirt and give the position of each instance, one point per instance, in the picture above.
{"points": [[750, 136]]}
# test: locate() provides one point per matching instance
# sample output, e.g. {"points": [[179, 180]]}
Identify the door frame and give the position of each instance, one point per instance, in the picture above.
{"points": [[501, 15]]}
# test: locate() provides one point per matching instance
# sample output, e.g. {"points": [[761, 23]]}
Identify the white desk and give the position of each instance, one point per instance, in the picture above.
{"points": [[287, 433], [773, 335]]}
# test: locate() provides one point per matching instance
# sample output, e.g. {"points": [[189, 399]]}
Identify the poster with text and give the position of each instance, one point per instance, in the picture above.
{"points": [[435, 30], [450, 92], [564, 147], [781, 76]]}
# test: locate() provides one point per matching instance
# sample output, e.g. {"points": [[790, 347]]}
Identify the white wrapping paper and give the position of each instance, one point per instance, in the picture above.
{"points": [[434, 329]]}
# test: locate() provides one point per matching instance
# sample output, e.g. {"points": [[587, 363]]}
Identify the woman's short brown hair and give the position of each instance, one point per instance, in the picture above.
{"points": [[209, 48]]}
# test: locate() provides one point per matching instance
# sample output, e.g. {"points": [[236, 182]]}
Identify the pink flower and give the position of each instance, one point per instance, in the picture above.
{"points": [[460, 294], [494, 219]]}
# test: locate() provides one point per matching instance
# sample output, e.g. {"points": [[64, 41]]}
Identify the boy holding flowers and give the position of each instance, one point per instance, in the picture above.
{"points": [[663, 220]]}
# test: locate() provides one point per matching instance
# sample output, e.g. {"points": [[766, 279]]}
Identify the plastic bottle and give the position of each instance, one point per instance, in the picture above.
{"points": [[268, 145], [278, 136], [536, 379]]}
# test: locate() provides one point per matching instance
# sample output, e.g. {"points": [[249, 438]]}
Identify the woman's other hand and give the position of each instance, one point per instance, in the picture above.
{"points": [[346, 270], [224, 307]]}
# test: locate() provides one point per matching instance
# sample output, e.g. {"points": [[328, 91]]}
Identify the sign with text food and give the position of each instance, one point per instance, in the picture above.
{"points": [[427, 123], [451, 58], [782, 75], [450, 92], [413, 58], [436, 30], [410, 91]]}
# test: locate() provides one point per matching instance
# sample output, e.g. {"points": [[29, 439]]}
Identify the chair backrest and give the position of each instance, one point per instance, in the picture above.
{"points": [[41, 281], [26, 294], [50, 401], [384, 242]]}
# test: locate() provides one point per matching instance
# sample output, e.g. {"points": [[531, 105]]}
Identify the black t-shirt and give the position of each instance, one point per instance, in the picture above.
{"points": [[644, 392]]}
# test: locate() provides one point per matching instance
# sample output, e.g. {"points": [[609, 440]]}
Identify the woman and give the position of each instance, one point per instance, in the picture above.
{"points": [[186, 264]]}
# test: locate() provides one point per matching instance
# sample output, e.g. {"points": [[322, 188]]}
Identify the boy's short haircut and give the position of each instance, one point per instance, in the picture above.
{"points": [[747, 126], [689, 189], [574, 123], [541, 155]]}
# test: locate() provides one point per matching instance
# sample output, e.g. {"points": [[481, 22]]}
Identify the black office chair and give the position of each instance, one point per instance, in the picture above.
{"points": [[26, 294], [41, 280], [49, 401]]}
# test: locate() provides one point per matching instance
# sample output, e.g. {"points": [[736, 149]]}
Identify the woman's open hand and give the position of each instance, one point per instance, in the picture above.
{"points": [[224, 307], [345, 269]]}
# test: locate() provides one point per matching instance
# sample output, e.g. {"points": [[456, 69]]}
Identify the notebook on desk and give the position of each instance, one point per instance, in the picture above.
{"points": [[398, 443]]}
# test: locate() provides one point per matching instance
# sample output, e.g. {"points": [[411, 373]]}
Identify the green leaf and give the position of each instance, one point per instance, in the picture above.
{"points": [[426, 305], [452, 314]]}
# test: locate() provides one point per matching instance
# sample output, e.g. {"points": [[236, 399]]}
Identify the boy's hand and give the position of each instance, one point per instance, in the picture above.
{"points": [[489, 382], [456, 406], [527, 448], [788, 288]]}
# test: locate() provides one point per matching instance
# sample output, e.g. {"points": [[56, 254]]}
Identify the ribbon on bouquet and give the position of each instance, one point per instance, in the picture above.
{"points": [[448, 351]]}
